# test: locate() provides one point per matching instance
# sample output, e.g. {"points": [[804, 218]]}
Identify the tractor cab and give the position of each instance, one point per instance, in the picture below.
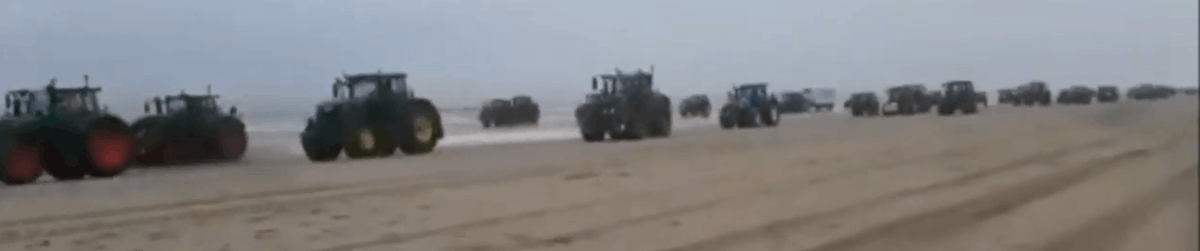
{"points": [[627, 83], [359, 86]]}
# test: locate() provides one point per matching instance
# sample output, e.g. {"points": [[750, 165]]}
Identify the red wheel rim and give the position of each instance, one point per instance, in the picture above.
{"points": [[24, 165], [110, 150]]}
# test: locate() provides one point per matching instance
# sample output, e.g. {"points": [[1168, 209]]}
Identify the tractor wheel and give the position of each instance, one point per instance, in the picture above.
{"points": [[728, 117], [109, 151], [662, 127], [970, 109], [56, 163], [422, 134], [855, 112], [321, 153], [24, 164], [231, 140], [747, 119], [770, 116], [636, 130], [362, 142], [945, 110], [592, 137]]}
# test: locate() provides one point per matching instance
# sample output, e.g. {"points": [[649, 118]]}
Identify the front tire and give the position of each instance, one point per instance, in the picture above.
{"points": [[232, 140], [361, 143], [770, 116]]}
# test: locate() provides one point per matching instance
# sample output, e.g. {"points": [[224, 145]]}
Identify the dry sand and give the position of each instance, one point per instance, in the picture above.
{"points": [[1101, 177]]}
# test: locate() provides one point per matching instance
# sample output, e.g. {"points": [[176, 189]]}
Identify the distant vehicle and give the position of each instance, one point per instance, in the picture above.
{"points": [[863, 103], [501, 112], [960, 96], [188, 127], [794, 102], [905, 100], [750, 105], [627, 107], [1107, 94], [1148, 91], [1188, 90], [372, 114], [695, 105], [1034, 92], [1076, 95], [1007, 96], [63, 132], [821, 99]]}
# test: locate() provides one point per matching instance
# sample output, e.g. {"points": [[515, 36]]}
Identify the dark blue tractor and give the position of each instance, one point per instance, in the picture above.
{"points": [[750, 105], [624, 106], [372, 114]]}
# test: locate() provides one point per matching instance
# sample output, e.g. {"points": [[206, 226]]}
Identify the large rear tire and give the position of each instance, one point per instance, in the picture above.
{"points": [[231, 140], [662, 126], [56, 163], [23, 165], [362, 142], [422, 134], [322, 153], [770, 116], [109, 152]]}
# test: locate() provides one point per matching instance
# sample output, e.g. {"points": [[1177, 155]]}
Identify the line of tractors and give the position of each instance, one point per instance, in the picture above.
{"points": [[65, 133]]}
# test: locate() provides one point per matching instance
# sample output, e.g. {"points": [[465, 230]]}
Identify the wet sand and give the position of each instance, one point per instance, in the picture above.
{"points": [[1101, 177]]}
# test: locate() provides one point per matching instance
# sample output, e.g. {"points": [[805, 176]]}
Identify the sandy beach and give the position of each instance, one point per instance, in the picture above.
{"points": [[1102, 177]]}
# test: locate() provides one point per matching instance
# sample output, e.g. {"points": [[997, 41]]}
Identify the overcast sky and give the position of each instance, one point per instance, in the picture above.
{"points": [[285, 54]]}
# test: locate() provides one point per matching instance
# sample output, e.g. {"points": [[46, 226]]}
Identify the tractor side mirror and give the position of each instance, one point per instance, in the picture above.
{"points": [[594, 84], [233, 110], [7, 101], [147, 105], [335, 91]]}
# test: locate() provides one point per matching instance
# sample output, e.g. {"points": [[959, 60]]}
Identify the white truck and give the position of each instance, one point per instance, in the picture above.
{"points": [[822, 98]]}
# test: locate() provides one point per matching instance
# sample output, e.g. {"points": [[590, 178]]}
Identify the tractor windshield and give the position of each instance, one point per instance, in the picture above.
{"points": [[954, 88], [180, 104], [896, 93], [751, 91], [361, 89], [76, 101]]}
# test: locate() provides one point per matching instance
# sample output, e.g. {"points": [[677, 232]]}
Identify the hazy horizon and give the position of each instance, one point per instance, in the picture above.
{"points": [[282, 55]]}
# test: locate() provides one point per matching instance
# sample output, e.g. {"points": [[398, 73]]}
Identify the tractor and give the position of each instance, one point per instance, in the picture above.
{"points": [[501, 112], [960, 95], [863, 103], [905, 100], [750, 105], [62, 131], [695, 105], [371, 115], [624, 106], [188, 128]]}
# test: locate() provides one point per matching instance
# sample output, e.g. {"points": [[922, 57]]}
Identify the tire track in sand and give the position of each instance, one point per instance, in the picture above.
{"points": [[1110, 230], [587, 233], [275, 199], [913, 231]]}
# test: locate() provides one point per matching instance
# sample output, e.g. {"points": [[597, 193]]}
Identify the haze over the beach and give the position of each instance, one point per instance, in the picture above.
{"points": [[279, 57]]}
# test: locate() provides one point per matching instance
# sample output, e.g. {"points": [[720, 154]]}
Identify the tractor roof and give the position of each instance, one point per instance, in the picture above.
{"points": [[185, 96], [957, 82], [373, 76], [762, 85]]}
